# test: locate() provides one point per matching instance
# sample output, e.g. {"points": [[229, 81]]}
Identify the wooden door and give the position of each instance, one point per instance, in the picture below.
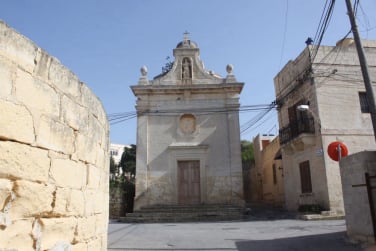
{"points": [[189, 182]]}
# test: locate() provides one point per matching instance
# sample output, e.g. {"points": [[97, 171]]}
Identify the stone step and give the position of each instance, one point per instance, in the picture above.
{"points": [[191, 209], [173, 213]]}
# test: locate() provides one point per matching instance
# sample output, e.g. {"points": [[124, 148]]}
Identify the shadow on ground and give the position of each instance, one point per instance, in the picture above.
{"points": [[259, 212], [323, 242]]}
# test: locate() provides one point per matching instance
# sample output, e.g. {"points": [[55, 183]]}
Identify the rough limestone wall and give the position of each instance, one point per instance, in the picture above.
{"points": [[53, 153]]}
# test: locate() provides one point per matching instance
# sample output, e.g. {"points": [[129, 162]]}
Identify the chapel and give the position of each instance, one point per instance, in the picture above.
{"points": [[188, 139]]}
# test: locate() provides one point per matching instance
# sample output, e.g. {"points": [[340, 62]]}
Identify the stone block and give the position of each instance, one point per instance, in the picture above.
{"points": [[55, 135], [85, 228], [94, 105], [68, 173], [93, 177], [95, 202], [62, 78], [6, 78], [74, 114], [31, 199], [101, 160], [5, 192], [96, 244], [81, 246], [69, 202], [101, 225], [85, 148], [17, 236], [17, 48], [16, 116], [89, 202], [23, 161], [42, 64], [55, 230], [36, 94]]}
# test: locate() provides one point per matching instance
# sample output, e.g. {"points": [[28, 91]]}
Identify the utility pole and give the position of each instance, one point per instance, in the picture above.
{"points": [[363, 66]]}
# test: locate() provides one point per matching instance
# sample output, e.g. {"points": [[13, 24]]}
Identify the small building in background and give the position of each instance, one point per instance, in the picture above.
{"points": [[116, 151], [267, 174]]}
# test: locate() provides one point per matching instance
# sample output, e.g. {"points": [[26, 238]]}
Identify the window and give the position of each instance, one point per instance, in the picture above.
{"points": [[114, 152], [274, 174], [305, 177], [364, 107]]}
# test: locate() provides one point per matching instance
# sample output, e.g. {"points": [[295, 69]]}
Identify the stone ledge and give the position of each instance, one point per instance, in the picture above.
{"points": [[321, 217]]}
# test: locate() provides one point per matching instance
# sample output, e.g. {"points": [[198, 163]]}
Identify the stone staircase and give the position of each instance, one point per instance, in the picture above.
{"points": [[175, 213]]}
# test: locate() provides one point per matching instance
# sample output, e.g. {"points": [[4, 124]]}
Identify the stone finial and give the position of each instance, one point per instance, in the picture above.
{"points": [[144, 71], [230, 75], [143, 79], [229, 69]]}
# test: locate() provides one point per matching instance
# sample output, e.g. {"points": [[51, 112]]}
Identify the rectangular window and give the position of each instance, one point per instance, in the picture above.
{"points": [[274, 174], [305, 177], [364, 107]]}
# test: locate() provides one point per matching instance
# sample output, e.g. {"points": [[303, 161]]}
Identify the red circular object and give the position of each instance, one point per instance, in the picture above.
{"points": [[333, 150]]}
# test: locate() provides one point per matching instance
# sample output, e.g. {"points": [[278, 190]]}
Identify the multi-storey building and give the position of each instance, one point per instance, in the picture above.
{"points": [[321, 98]]}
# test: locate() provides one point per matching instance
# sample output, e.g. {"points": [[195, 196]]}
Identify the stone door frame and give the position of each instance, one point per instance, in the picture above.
{"points": [[188, 153], [190, 169]]}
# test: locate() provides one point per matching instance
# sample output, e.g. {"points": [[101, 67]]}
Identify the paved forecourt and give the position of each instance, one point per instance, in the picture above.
{"points": [[269, 235]]}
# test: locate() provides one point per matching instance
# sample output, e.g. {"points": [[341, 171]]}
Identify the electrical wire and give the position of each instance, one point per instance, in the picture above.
{"points": [[284, 32], [116, 118], [323, 25]]}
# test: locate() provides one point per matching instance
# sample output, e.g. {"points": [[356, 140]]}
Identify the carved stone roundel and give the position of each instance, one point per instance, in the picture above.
{"points": [[188, 123]]}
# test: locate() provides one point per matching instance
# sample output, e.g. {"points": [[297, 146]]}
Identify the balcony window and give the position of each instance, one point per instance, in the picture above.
{"points": [[364, 106], [299, 122]]}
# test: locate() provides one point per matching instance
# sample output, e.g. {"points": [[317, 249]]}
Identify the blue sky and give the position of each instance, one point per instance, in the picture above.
{"points": [[105, 43]]}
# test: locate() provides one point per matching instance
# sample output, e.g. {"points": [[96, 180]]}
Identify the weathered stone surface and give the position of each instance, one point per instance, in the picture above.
{"points": [[56, 230], [68, 173], [81, 246], [85, 148], [69, 202], [36, 94], [5, 192], [93, 177], [75, 115], [61, 246], [63, 79], [96, 244], [6, 79], [22, 161], [95, 202], [55, 135], [85, 228], [93, 103], [31, 199], [17, 48], [41, 174], [11, 238], [36, 233], [90, 202], [42, 64], [101, 226], [16, 116], [101, 159], [5, 219]]}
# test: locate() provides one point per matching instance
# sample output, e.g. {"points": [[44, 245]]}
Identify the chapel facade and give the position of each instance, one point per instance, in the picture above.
{"points": [[188, 137]]}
